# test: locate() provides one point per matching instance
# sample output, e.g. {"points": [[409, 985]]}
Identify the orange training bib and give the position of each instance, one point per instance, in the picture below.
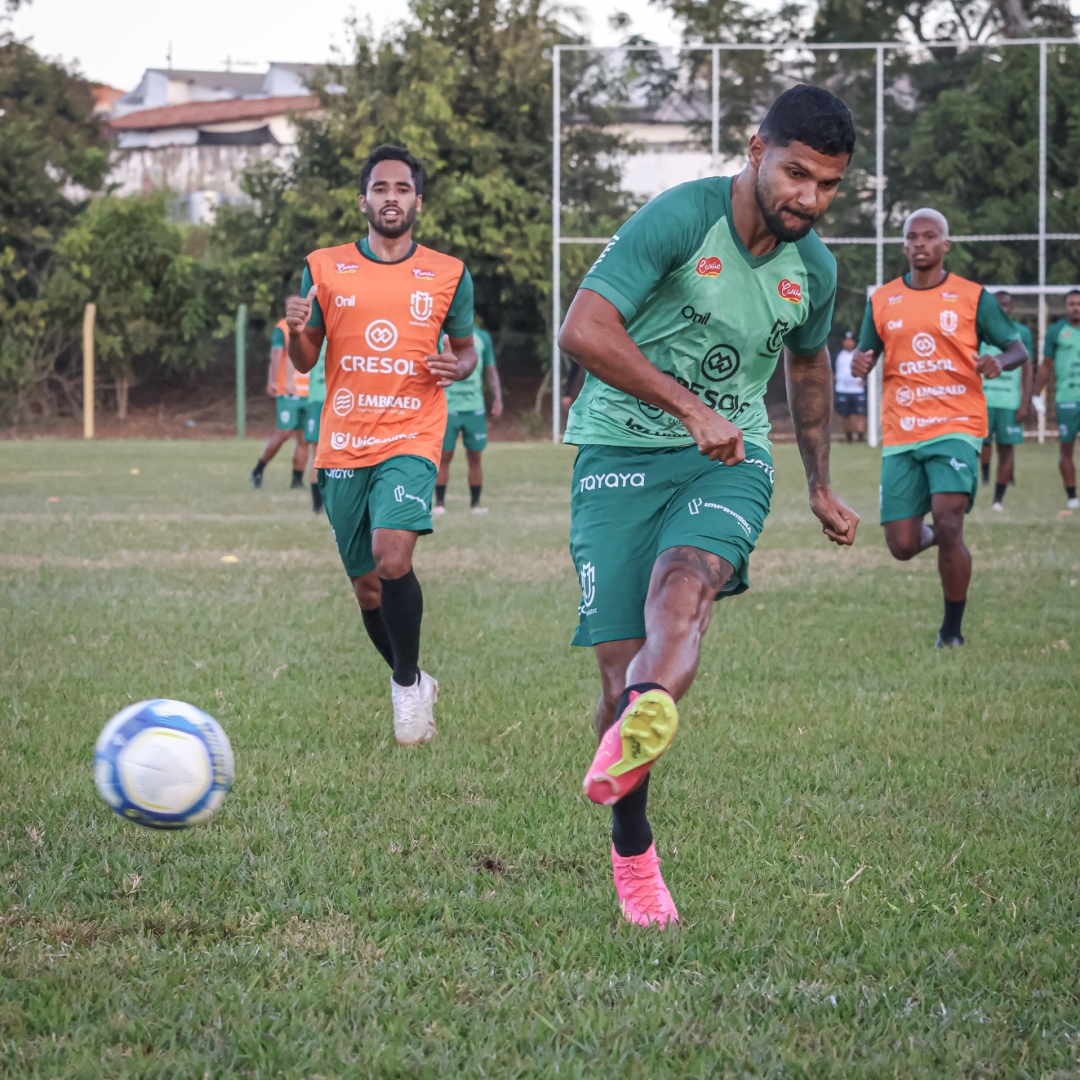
{"points": [[300, 382]]}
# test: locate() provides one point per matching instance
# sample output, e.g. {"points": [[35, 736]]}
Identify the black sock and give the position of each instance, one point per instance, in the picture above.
{"points": [[474, 494], [630, 831], [861, 436], [986, 473], [1070, 492], [954, 615], [297, 478], [259, 466], [440, 494], [848, 436], [376, 630], [402, 610], [999, 492], [316, 499]]}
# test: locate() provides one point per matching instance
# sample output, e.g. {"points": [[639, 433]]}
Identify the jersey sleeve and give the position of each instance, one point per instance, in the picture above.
{"points": [[1051, 340], [277, 338], [663, 235], [486, 349], [306, 281], [869, 338], [992, 324], [809, 337], [459, 319]]}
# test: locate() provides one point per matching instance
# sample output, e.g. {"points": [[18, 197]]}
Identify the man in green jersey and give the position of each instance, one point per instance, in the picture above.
{"points": [[1061, 351], [313, 422], [466, 413], [679, 325], [1008, 405]]}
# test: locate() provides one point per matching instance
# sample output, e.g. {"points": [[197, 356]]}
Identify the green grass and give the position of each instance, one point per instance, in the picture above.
{"points": [[873, 845]]}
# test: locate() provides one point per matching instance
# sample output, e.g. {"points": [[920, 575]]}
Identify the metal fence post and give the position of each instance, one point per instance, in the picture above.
{"points": [[89, 314], [241, 369], [556, 242]]}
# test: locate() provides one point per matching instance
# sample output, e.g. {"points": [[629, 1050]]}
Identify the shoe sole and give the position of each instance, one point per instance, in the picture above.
{"points": [[646, 730]]}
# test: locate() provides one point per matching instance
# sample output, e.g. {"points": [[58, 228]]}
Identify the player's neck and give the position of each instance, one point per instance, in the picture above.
{"points": [[746, 216], [389, 249], [930, 278]]}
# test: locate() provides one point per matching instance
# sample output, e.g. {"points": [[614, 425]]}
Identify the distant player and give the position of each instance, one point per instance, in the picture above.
{"points": [[1061, 351], [381, 306], [679, 325], [288, 387], [929, 324], [850, 392], [1008, 405], [467, 415]]}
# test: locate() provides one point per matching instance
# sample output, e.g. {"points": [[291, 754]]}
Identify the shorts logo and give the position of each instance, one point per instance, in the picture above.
{"points": [[421, 305], [694, 506], [904, 396], [957, 465], [611, 480], [344, 402], [283, 416], [907, 423], [588, 589], [720, 363], [381, 334], [710, 266], [949, 321], [776, 336], [400, 495], [895, 324], [339, 440], [347, 268], [790, 290], [924, 344], [345, 301], [419, 273]]}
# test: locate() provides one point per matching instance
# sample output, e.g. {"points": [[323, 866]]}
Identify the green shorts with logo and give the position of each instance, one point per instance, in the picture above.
{"points": [[395, 494], [1068, 418], [290, 413], [909, 478], [473, 428], [628, 504], [312, 418], [1003, 428]]}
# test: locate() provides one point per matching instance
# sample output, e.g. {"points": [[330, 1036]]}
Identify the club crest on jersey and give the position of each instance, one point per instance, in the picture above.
{"points": [[924, 344], [949, 321], [790, 290], [381, 335], [421, 305], [710, 266], [420, 272], [347, 268]]}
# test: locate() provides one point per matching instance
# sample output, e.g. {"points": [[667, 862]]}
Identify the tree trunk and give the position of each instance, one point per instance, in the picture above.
{"points": [[543, 391], [122, 384]]}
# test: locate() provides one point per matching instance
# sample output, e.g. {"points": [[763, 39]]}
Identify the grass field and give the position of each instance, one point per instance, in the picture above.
{"points": [[873, 845]]}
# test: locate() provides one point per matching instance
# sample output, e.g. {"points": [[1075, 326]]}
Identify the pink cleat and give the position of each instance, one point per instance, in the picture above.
{"points": [[630, 746], [643, 897]]}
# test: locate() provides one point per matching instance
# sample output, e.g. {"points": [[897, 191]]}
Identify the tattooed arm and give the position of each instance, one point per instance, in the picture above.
{"points": [[809, 390]]}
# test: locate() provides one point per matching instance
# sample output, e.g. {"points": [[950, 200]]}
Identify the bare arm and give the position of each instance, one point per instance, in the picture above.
{"points": [[1006, 360], [305, 342], [1042, 377], [809, 390], [277, 356], [595, 336], [496, 392]]}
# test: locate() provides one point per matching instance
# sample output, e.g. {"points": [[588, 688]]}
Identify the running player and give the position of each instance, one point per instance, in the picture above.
{"points": [[679, 325], [288, 388], [466, 413], [381, 306], [1008, 405], [1061, 351], [929, 324]]}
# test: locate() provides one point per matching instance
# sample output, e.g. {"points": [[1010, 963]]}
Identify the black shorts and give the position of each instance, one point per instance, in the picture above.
{"points": [[851, 404]]}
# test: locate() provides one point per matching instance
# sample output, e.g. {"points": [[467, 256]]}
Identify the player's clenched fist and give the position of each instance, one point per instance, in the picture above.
{"points": [[862, 363], [989, 367], [444, 365], [717, 438], [298, 310]]}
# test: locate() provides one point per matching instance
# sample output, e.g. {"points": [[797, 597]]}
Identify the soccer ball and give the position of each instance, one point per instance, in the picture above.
{"points": [[163, 764]]}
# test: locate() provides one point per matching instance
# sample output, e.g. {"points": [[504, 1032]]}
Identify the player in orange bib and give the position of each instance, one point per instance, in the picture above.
{"points": [[929, 324], [382, 305]]}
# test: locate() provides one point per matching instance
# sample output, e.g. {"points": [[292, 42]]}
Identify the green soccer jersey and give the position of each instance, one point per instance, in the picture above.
{"points": [[1004, 391], [317, 377], [1062, 345], [467, 395], [704, 311]]}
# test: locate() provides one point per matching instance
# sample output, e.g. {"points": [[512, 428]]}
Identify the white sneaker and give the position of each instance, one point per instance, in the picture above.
{"points": [[436, 510], [479, 509], [414, 719], [998, 507], [1073, 504]]}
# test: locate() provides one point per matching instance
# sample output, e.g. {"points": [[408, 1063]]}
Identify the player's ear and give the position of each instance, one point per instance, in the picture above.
{"points": [[947, 244], [419, 203], [756, 150]]}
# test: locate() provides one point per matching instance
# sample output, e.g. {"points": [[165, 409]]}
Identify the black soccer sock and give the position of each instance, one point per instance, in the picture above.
{"points": [[861, 437], [316, 498], [986, 472], [297, 478], [376, 630], [259, 466], [402, 612], [474, 494], [999, 492], [630, 831], [440, 494], [1070, 492], [848, 436], [954, 616]]}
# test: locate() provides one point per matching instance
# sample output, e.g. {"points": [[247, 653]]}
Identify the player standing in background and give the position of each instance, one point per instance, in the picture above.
{"points": [[679, 325], [466, 412], [850, 392], [1008, 404], [312, 422], [288, 388], [1061, 351], [381, 305], [929, 324]]}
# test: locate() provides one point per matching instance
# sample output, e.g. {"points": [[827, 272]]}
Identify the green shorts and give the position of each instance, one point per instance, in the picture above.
{"points": [[628, 504], [1068, 418], [395, 494], [312, 416], [473, 428], [290, 413], [909, 478], [1003, 428]]}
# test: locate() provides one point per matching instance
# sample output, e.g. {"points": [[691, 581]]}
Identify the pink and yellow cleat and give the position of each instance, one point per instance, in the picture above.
{"points": [[630, 746], [643, 897]]}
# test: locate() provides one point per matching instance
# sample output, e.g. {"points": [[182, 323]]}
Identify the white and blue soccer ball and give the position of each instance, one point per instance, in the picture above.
{"points": [[163, 764]]}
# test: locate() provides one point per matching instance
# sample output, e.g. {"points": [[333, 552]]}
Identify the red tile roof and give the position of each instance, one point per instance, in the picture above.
{"points": [[197, 113]]}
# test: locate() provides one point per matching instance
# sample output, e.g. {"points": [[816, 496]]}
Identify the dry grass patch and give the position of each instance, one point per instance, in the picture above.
{"points": [[335, 934]]}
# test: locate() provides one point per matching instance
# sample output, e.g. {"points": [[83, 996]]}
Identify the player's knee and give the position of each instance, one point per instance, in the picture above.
{"points": [[692, 575], [949, 530], [902, 548]]}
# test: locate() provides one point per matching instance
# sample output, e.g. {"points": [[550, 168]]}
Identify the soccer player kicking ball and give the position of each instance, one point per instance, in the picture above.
{"points": [[929, 324], [1061, 351], [679, 325], [381, 306]]}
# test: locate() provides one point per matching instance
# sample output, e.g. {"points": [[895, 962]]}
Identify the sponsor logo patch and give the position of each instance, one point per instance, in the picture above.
{"points": [[895, 324], [699, 317], [611, 480], [924, 344], [904, 396], [381, 334], [720, 363], [419, 272], [790, 290], [776, 336], [347, 268], [896, 299], [344, 402], [950, 296], [908, 423], [710, 266], [345, 301]]}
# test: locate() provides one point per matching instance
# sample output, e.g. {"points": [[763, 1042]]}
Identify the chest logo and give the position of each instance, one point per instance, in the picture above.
{"points": [[421, 305], [720, 363], [950, 296], [896, 299], [347, 268], [924, 344], [905, 396], [776, 336], [1066, 333], [344, 402], [420, 272], [381, 334], [699, 317], [710, 266], [345, 301], [790, 290], [949, 321], [895, 324]]}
